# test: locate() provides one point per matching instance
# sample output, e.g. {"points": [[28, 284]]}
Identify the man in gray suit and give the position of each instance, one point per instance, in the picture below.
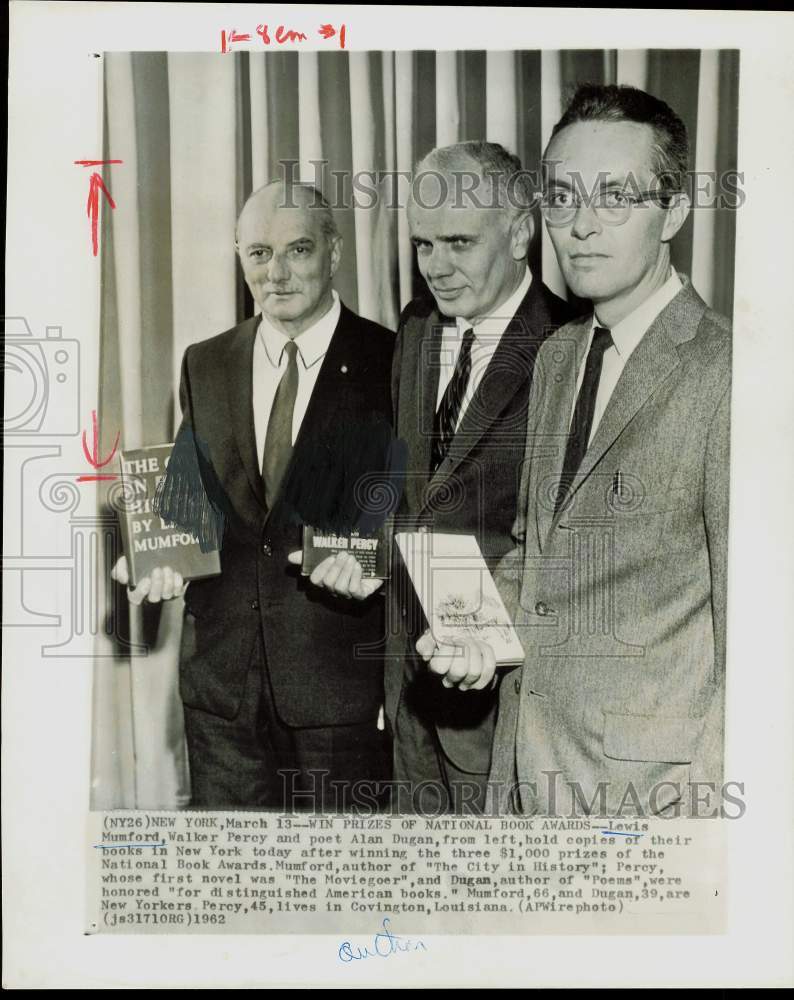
{"points": [[617, 583]]}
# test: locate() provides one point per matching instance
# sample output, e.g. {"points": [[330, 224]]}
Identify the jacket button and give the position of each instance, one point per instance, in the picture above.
{"points": [[404, 612], [517, 685], [542, 609], [254, 605], [266, 548]]}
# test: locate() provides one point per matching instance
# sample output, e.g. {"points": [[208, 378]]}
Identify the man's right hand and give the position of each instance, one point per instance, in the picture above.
{"points": [[163, 585], [468, 664], [341, 575]]}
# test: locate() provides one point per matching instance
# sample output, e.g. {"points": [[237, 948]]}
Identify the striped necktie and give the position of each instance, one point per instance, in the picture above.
{"points": [[452, 401]]}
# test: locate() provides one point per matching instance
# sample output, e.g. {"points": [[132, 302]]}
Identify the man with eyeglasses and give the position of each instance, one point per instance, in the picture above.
{"points": [[617, 583]]}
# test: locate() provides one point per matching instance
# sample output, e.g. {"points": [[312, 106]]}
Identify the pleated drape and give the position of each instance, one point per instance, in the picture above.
{"points": [[198, 132]]}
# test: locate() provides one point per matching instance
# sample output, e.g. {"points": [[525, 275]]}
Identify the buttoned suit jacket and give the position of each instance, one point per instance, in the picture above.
{"points": [[620, 597], [473, 492], [309, 636]]}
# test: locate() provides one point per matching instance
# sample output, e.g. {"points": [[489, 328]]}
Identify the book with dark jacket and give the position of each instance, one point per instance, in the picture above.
{"points": [[372, 550], [148, 540]]}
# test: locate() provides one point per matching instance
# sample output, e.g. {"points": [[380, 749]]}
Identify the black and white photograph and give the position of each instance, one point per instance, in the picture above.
{"points": [[396, 546], [421, 195]]}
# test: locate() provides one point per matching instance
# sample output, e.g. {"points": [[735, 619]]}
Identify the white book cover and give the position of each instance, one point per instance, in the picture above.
{"points": [[457, 592]]}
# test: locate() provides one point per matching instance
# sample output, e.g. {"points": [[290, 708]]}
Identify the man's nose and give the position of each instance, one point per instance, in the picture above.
{"points": [[585, 222], [278, 269], [440, 263]]}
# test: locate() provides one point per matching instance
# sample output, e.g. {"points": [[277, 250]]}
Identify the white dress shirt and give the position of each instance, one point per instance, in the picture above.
{"points": [[270, 363], [487, 334], [626, 335]]}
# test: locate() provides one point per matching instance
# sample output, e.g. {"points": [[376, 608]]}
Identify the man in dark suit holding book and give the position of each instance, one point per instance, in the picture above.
{"points": [[462, 372], [283, 416]]}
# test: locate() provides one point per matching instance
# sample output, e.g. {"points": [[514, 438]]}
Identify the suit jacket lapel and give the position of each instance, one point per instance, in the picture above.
{"points": [[556, 406], [507, 371], [239, 398], [329, 390], [337, 370], [651, 363], [419, 403]]}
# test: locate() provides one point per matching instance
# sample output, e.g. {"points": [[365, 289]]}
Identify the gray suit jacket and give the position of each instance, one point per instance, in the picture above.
{"points": [[620, 597]]}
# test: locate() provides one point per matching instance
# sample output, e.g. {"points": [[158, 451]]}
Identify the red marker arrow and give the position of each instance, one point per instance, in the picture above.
{"points": [[93, 459], [93, 206]]}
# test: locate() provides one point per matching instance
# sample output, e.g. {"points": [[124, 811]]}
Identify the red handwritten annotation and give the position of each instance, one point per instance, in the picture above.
{"points": [[95, 185], [281, 35], [93, 458]]}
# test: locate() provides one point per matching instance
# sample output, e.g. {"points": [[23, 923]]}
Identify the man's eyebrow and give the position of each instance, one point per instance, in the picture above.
{"points": [[453, 237], [602, 182], [447, 238], [557, 182], [618, 182], [300, 241]]}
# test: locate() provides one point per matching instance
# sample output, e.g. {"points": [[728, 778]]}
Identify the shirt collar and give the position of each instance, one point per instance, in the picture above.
{"points": [[491, 328], [627, 334], [312, 344]]}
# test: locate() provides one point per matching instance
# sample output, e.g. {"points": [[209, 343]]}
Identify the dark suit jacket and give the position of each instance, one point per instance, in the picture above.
{"points": [[620, 598], [309, 636], [473, 492]]}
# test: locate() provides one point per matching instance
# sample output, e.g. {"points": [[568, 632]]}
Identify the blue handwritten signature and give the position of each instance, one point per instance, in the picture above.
{"points": [[384, 944]]}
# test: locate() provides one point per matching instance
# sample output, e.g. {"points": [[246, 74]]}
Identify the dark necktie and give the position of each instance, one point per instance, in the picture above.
{"points": [[582, 422], [452, 401], [278, 441]]}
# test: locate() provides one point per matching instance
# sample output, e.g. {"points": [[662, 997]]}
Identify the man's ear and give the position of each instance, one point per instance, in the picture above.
{"points": [[336, 253], [523, 228], [677, 213]]}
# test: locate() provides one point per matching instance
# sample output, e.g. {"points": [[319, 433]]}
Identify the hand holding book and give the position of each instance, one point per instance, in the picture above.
{"points": [[158, 554], [462, 605], [467, 663], [164, 584], [342, 575]]}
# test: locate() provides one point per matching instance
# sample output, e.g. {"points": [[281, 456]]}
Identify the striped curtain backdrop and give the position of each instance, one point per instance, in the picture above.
{"points": [[198, 132]]}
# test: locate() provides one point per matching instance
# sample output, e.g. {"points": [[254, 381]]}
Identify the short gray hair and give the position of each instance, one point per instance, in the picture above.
{"points": [[515, 187]]}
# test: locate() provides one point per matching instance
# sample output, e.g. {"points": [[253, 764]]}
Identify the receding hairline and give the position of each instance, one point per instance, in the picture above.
{"points": [[488, 161], [448, 164], [310, 199], [450, 153]]}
